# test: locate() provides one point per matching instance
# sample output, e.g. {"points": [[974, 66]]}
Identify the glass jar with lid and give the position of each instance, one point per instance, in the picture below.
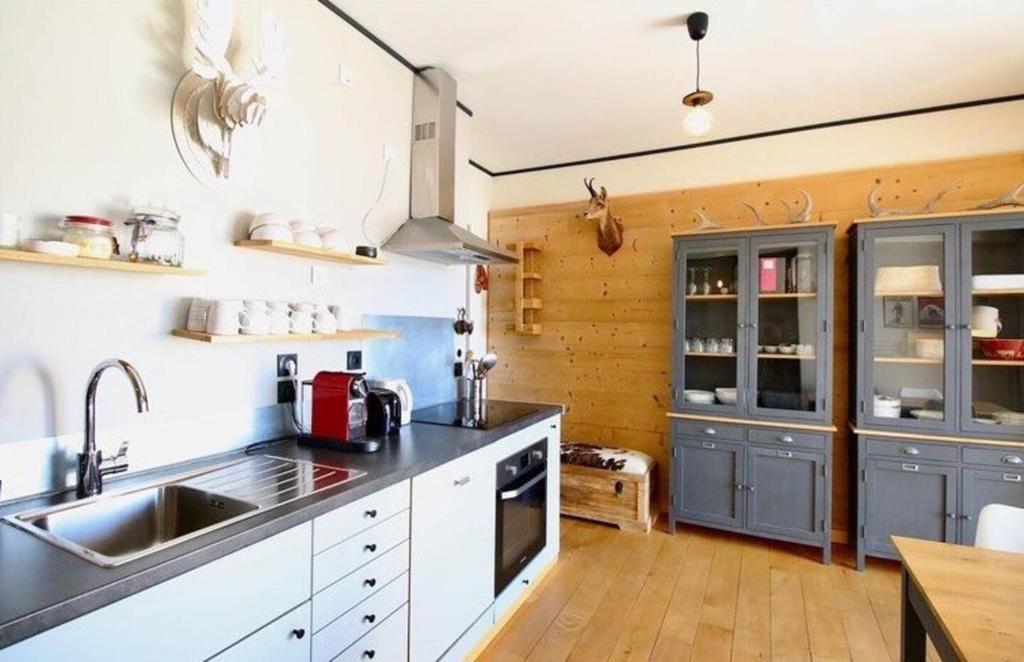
{"points": [[156, 237], [93, 235]]}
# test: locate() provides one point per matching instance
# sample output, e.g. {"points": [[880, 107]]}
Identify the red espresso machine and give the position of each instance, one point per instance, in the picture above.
{"points": [[339, 413]]}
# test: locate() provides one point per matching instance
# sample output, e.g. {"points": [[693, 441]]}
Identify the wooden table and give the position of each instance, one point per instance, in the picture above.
{"points": [[969, 601]]}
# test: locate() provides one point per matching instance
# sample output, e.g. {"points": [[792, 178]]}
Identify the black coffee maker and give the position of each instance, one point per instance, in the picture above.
{"points": [[383, 413]]}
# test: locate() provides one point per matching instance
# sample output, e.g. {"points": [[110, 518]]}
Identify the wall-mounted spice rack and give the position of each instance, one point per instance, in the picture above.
{"points": [[527, 302]]}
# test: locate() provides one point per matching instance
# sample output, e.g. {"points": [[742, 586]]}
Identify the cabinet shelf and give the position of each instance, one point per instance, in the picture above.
{"points": [[90, 263], [998, 362], [710, 297], [788, 357], [908, 359], [788, 295], [288, 248], [1016, 291], [717, 355], [353, 334], [911, 293]]}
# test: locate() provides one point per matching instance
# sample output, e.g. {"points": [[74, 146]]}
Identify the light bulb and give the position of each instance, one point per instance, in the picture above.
{"points": [[698, 121]]}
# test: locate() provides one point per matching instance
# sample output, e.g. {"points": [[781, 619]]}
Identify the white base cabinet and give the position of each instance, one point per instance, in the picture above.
{"points": [[452, 559], [285, 640]]}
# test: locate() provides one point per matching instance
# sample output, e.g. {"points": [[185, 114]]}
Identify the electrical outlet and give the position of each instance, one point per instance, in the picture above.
{"points": [[285, 391], [283, 361], [354, 360], [317, 276], [389, 152], [346, 76]]}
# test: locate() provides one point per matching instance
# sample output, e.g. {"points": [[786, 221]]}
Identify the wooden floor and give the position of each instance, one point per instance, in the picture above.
{"points": [[702, 595]]}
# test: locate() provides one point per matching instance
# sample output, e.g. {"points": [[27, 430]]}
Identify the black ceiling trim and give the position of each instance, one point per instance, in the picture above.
{"points": [[765, 134], [481, 168], [380, 43]]}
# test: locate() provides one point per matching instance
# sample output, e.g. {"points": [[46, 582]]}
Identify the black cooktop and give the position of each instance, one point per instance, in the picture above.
{"points": [[462, 414]]}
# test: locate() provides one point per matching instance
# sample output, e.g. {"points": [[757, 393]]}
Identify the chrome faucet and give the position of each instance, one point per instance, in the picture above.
{"points": [[91, 465]]}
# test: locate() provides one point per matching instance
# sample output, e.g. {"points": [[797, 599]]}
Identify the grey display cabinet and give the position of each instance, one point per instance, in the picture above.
{"points": [[752, 376], [927, 392]]}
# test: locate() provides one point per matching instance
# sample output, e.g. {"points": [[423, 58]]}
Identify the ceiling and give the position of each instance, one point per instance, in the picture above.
{"points": [[551, 81]]}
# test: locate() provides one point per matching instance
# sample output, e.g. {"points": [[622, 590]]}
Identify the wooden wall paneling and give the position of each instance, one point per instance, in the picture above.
{"points": [[605, 347]]}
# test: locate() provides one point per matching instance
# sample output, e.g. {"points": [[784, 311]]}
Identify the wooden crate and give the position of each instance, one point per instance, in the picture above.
{"points": [[603, 495]]}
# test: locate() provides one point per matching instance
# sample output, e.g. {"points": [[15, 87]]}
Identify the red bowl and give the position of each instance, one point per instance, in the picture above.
{"points": [[1006, 349]]}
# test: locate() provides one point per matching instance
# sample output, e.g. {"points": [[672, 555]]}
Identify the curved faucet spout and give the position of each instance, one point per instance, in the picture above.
{"points": [[90, 471]]}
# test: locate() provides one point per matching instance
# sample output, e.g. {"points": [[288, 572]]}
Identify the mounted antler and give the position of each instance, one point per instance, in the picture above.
{"points": [[793, 216], [757, 214], [609, 228], [877, 211], [706, 223], [1008, 200]]}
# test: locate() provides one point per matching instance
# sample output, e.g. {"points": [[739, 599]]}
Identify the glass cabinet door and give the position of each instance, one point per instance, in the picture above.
{"points": [[908, 327], [787, 335], [992, 333], [711, 362]]}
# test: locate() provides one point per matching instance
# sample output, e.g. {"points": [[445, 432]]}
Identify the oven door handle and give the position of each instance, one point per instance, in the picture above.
{"points": [[522, 489]]}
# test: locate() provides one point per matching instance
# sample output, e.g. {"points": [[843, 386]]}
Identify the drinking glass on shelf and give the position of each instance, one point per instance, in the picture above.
{"points": [[705, 288], [692, 288], [686, 344], [712, 345], [697, 345], [726, 346]]}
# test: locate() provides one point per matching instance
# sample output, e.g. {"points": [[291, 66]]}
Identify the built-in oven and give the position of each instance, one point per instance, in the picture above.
{"points": [[521, 509]]}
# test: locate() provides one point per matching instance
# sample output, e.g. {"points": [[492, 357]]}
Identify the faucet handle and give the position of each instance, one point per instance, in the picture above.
{"points": [[117, 464], [122, 452]]}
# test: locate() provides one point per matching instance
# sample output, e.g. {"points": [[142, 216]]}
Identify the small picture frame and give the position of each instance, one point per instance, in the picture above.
{"points": [[931, 312], [898, 312]]}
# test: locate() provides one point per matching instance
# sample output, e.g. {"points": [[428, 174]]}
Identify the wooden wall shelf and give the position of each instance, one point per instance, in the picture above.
{"points": [[353, 334], [90, 263], [288, 248], [527, 303]]}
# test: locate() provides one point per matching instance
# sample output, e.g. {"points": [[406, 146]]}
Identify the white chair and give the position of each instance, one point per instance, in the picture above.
{"points": [[1000, 527]]}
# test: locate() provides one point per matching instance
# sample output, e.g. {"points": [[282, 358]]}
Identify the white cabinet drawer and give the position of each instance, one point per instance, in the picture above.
{"points": [[353, 624], [285, 640], [360, 584], [388, 642], [191, 616], [349, 520], [336, 562]]}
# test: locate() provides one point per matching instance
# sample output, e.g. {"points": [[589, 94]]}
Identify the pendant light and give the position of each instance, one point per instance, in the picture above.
{"points": [[699, 120]]}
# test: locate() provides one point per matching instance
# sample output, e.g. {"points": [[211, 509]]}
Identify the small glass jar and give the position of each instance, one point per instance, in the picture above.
{"points": [[93, 235], [156, 237]]}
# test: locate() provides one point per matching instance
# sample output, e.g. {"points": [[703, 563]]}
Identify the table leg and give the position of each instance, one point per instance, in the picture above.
{"points": [[913, 640]]}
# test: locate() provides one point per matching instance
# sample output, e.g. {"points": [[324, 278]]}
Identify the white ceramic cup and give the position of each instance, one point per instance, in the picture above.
{"points": [[279, 322], [224, 317], [339, 314], [985, 321], [9, 230], [324, 321], [272, 233], [198, 312], [255, 318], [330, 238], [301, 319]]}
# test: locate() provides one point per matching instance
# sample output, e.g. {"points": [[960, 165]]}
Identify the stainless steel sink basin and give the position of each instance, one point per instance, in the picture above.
{"points": [[116, 527]]}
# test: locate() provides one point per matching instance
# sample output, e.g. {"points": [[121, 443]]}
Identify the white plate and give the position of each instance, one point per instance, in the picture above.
{"points": [[63, 248], [998, 282], [928, 414]]}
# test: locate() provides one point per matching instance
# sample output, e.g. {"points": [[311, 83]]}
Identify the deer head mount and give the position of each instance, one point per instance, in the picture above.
{"points": [[609, 228], [212, 102]]}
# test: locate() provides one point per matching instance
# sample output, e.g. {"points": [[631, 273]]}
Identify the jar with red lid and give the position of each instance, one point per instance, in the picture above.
{"points": [[93, 235]]}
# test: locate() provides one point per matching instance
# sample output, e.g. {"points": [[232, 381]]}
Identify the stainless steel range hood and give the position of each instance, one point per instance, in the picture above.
{"points": [[430, 233]]}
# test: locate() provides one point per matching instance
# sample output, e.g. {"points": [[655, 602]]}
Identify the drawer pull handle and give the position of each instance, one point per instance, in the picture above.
{"points": [[785, 454], [750, 488], [370, 618], [951, 515], [1012, 478], [462, 481], [707, 444], [1012, 459], [372, 547], [910, 467], [739, 487], [370, 513], [369, 653], [966, 517], [786, 439], [299, 633], [911, 450], [710, 431], [370, 582]]}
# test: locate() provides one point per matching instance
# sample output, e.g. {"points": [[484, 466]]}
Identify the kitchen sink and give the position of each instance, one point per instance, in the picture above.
{"points": [[117, 527]]}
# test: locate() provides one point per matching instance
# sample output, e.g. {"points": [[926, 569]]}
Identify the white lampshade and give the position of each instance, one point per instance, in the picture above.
{"points": [[698, 121]]}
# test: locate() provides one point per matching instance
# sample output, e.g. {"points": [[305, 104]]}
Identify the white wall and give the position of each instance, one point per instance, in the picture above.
{"points": [[948, 135], [85, 92]]}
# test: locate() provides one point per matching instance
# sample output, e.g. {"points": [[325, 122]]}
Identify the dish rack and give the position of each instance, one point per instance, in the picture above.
{"points": [[527, 302]]}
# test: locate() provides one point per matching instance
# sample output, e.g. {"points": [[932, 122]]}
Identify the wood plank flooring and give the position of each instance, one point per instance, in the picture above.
{"points": [[701, 595]]}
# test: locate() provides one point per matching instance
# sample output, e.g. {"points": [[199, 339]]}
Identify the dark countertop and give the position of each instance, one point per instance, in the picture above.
{"points": [[42, 586]]}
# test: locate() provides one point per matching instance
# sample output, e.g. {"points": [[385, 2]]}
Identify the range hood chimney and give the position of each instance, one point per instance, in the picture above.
{"points": [[430, 233]]}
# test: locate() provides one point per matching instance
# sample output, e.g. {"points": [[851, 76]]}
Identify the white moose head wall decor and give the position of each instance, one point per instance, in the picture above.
{"points": [[213, 105]]}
